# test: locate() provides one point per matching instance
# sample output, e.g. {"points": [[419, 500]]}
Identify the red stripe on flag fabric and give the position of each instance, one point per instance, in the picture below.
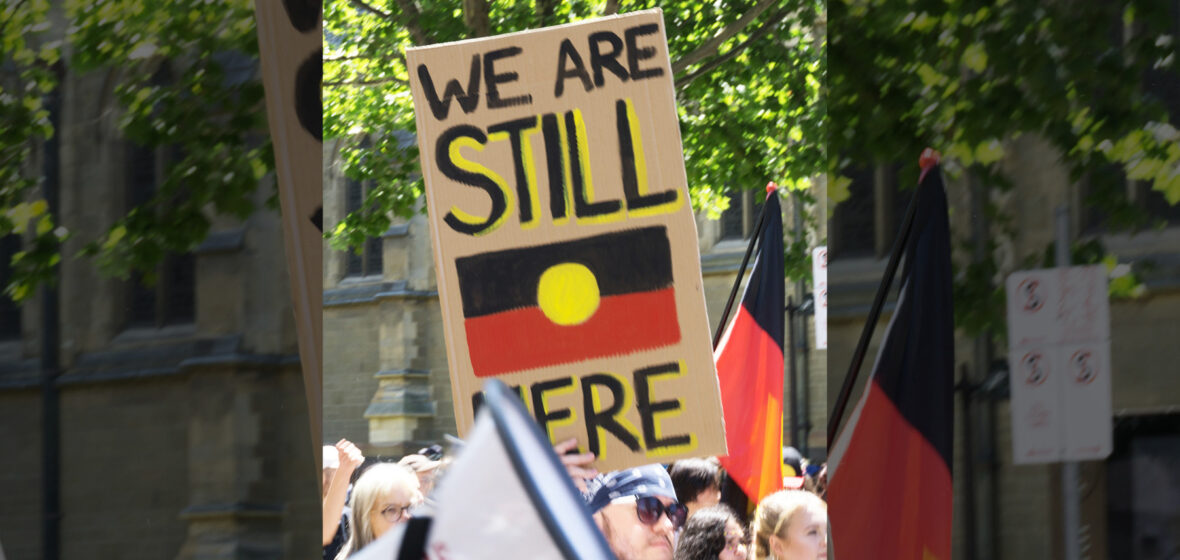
{"points": [[750, 372], [890, 496], [524, 339]]}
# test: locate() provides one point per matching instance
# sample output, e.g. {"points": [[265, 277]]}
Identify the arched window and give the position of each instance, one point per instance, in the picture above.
{"points": [[169, 298], [369, 261]]}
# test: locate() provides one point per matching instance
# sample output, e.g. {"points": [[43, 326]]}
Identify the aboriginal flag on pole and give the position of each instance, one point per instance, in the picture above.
{"points": [[889, 473], [533, 307], [750, 369]]}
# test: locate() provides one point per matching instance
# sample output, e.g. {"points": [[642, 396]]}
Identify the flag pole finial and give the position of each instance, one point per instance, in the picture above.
{"points": [[929, 157]]}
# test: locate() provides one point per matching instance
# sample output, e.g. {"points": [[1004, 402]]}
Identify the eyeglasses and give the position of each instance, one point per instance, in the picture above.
{"points": [[649, 509], [734, 542], [393, 514]]}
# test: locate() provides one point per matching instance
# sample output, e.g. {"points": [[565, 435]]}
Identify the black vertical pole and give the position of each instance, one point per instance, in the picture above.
{"points": [[732, 494], [793, 376], [804, 401], [965, 390], [741, 272], [50, 318], [802, 414], [866, 333]]}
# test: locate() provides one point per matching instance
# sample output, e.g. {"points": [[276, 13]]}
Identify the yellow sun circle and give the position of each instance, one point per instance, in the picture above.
{"points": [[568, 293]]}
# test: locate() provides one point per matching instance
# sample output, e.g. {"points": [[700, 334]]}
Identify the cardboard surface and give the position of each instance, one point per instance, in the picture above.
{"points": [[289, 38], [564, 241]]}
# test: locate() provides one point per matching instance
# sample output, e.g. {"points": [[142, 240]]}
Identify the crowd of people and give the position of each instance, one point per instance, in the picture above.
{"points": [[653, 512]]}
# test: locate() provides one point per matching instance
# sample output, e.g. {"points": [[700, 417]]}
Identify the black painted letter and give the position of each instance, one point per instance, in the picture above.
{"points": [[440, 107], [605, 418], [600, 60], [648, 409], [567, 51], [494, 80], [442, 156], [635, 54]]}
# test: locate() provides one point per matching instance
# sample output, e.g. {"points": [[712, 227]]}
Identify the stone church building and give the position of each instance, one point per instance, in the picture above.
{"points": [[181, 421]]}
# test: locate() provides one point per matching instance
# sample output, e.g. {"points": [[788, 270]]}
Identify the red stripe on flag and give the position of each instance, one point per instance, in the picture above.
{"points": [[524, 339], [890, 496], [750, 372]]}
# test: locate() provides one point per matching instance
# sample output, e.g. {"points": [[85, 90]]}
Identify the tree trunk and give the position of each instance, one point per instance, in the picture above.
{"points": [[475, 16], [544, 12], [410, 16]]}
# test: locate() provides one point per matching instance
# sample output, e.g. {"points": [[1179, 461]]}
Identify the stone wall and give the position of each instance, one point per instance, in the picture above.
{"points": [[187, 441]]}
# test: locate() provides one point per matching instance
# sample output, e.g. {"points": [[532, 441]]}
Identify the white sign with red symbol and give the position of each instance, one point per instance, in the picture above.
{"points": [[819, 273], [1059, 364], [1035, 407], [1087, 401]]}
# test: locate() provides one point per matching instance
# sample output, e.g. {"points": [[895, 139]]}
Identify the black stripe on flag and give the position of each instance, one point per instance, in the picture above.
{"points": [[634, 260], [915, 366], [763, 300]]}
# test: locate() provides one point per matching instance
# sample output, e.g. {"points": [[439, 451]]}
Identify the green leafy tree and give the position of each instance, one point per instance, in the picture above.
{"points": [[968, 77], [210, 111], [749, 80]]}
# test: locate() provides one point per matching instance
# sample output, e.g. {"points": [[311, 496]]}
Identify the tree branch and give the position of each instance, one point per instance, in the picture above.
{"points": [[370, 8], [711, 46], [543, 9], [611, 8], [360, 83], [411, 18], [343, 57], [11, 15], [718, 61]]}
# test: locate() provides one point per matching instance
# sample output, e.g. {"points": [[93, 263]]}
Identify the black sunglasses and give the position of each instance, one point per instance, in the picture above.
{"points": [[649, 509]]}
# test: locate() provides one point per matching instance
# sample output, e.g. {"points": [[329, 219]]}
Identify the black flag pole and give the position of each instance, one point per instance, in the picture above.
{"points": [[770, 188], [866, 334], [731, 493]]}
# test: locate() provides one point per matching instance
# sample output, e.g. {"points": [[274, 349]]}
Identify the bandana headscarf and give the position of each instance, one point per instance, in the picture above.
{"points": [[648, 480]]}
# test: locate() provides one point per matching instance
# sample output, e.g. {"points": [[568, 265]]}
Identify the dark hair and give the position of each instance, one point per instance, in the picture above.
{"points": [[690, 477], [703, 537]]}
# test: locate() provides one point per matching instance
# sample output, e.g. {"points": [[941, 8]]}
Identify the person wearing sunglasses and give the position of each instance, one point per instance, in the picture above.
{"points": [[637, 512], [382, 497]]}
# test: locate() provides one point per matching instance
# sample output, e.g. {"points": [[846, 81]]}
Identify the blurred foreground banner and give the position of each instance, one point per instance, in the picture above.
{"points": [[565, 246], [289, 39], [506, 496]]}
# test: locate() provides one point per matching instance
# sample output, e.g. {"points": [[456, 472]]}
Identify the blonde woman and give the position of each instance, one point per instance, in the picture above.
{"points": [[791, 525], [381, 498]]}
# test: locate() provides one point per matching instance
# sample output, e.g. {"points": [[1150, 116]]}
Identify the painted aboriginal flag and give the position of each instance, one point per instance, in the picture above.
{"points": [[889, 474], [540, 306]]}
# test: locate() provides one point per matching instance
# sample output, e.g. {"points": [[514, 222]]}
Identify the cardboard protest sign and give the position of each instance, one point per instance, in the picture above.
{"points": [[289, 40], [565, 246]]}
